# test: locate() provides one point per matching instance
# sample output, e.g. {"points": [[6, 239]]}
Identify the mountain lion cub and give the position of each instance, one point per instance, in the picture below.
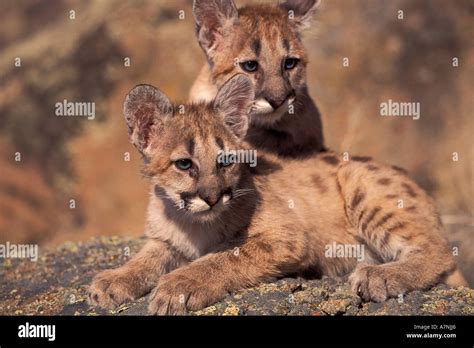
{"points": [[264, 42], [215, 225]]}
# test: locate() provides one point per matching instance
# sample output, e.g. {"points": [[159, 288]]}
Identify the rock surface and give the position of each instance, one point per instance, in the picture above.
{"points": [[57, 283]]}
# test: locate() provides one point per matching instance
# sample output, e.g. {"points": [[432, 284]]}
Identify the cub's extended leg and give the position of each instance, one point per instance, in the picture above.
{"points": [[208, 279], [137, 277], [401, 228]]}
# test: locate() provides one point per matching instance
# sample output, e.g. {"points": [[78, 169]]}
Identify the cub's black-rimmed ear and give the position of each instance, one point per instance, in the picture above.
{"points": [[234, 100], [144, 109], [301, 11], [214, 18]]}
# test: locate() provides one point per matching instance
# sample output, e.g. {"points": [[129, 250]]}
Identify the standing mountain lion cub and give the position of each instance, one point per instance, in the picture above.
{"points": [[215, 225], [264, 42]]}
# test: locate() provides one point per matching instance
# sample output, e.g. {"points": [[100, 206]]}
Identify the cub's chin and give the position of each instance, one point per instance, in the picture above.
{"points": [[206, 216], [209, 215], [263, 114]]}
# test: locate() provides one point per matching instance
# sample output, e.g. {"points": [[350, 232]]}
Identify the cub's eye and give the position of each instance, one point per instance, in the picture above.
{"points": [[249, 65], [290, 63], [225, 160], [183, 164]]}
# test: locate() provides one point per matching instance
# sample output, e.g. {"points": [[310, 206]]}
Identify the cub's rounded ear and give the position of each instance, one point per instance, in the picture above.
{"points": [[144, 109], [301, 11], [213, 18], [234, 101]]}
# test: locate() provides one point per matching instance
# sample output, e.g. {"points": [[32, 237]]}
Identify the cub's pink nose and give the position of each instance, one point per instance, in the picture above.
{"points": [[211, 199]]}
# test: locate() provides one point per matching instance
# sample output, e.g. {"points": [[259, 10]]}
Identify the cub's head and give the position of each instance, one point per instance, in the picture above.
{"points": [[183, 145], [261, 41]]}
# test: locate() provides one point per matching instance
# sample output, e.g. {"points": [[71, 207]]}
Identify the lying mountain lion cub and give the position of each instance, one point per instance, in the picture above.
{"points": [[215, 225]]}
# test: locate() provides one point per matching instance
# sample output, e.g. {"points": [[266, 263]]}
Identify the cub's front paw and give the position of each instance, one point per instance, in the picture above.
{"points": [[113, 287], [177, 292], [376, 283]]}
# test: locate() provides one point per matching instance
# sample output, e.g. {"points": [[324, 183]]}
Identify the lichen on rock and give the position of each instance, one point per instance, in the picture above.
{"points": [[57, 285]]}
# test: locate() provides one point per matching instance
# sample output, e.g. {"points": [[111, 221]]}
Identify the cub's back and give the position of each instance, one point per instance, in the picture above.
{"points": [[322, 193], [304, 192]]}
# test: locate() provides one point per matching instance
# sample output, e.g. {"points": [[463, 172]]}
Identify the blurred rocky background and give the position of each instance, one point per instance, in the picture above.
{"points": [[47, 56]]}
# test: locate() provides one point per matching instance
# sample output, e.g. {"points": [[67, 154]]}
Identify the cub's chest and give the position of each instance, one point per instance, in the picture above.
{"points": [[192, 241]]}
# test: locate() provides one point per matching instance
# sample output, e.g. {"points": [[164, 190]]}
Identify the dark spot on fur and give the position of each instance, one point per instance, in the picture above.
{"points": [[391, 196], [409, 190], [384, 240], [190, 146], [383, 220], [264, 246], [298, 36], [159, 192], [291, 247], [358, 197], [319, 183], [399, 169], [220, 143], [361, 158], [370, 217], [411, 209], [331, 159], [384, 181], [244, 252], [339, 188], [256, 47], [286, 44], [438, 220], [362, 214], [395, 227], [372, 168], [181, 277]]}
